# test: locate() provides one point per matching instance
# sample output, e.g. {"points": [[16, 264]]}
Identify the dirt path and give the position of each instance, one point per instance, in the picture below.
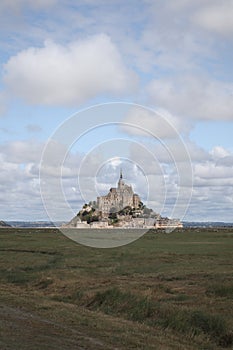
{"points": [[22, 330]]}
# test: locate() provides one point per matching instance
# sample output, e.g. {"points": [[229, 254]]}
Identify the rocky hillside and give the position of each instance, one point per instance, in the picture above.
{"points": [[4, 224], [90, 214]]}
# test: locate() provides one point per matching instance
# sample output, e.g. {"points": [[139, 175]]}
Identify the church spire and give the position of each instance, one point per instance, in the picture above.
{"points": [[121, 176], [120, 182]]}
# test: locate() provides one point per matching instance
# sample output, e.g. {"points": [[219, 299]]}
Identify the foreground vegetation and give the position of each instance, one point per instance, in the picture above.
{"points": [[164, 291]]}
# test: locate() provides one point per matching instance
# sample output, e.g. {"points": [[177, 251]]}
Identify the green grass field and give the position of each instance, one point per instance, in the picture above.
{"points": [[164, 291]]}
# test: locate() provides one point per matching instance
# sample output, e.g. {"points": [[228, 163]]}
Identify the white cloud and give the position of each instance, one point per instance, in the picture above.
{"points": [[16, 5], [194, 96], [159, 123], [212, 15], [19, 191], [211, 204], [21, 152], [213, 187], [211, 171], [216, 17], [20, 195], [219, 152], [68, 75], [176, 152], [226, 161], [212, 179], [3, 103]]}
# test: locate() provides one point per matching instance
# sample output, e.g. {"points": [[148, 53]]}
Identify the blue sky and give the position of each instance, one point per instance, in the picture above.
{"points": [[59, 58]]}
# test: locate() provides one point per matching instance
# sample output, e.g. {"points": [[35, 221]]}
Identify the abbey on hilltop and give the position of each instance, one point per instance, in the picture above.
{"points": [[120, 208], [118, 198]]}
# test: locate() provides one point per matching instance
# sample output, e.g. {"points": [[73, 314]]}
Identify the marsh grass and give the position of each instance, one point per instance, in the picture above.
{"points": [[75, 298], [26, 264], [113, 301], [132, 307], [17, 277], [176, 286], [219, 290]]}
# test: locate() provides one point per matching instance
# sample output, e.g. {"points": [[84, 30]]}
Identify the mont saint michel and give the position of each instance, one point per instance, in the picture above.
{"points": [[121, 207]]}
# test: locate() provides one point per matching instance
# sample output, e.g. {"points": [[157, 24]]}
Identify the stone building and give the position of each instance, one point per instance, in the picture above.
{"points": [[118, 198], [164, 223]]}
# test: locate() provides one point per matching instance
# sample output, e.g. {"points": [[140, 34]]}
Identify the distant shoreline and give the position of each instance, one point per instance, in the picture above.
{"points": [[48, 225]]}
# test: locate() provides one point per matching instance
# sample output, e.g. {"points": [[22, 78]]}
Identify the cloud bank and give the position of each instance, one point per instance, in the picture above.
{"points": [[70, 74]]}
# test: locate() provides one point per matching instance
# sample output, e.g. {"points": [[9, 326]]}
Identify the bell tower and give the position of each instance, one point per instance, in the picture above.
{"points": [[120, 182]]}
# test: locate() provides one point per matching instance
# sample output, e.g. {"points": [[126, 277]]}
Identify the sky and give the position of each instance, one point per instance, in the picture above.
{"points": [[91, 87]]}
